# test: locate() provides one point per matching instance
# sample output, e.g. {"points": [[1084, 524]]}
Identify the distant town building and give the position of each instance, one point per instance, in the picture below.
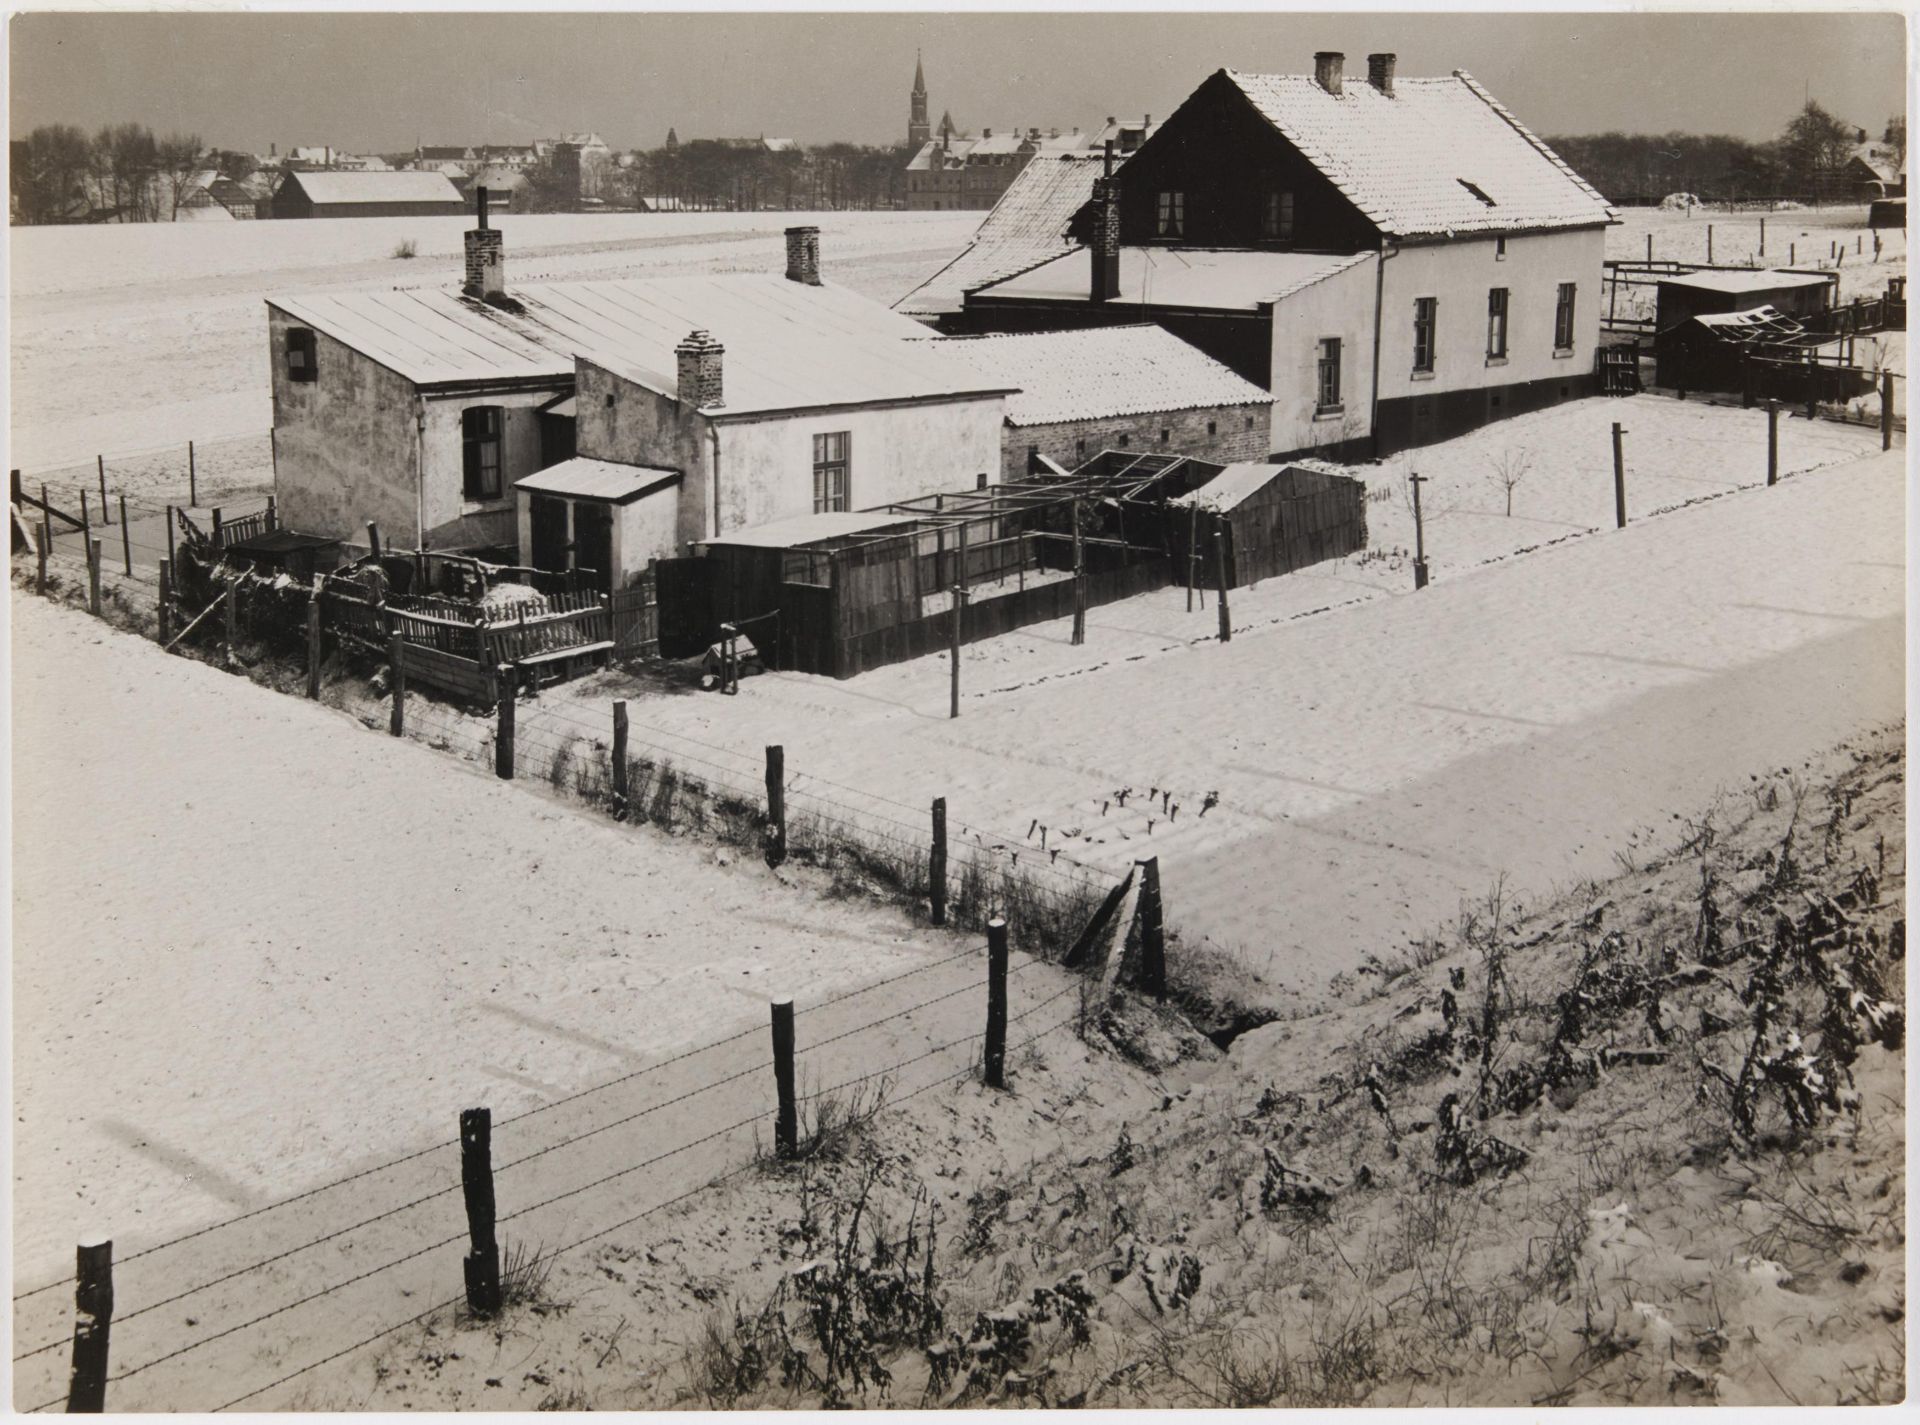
{"points": [[365, 195], [950, 171]]}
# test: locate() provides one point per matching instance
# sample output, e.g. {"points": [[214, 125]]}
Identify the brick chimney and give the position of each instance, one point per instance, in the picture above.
{"points": [[803, 256], [486, 255], [1326, 69], [1106, 233], [699, 371], [1380, 72]]}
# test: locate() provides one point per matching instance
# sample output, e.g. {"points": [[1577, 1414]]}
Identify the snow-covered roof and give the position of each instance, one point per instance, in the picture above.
{"points": [[803, 530], [587, 479], [1026, 227], [411, 187], [787, 345], [1099, 372], [1218, 279], [935, 154], [1231, 486], [1437, 156], [1760, 279]]}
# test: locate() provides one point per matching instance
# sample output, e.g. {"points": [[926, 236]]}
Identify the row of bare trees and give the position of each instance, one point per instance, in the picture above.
{"points": [[124, 172], [734, 175]]}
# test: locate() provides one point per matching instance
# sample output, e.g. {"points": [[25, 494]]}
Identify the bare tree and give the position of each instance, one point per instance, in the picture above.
{"points": [[177, 158], [1510, 467]]}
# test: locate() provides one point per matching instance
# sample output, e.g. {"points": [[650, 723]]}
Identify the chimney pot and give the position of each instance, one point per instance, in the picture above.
{"points": [[1380, 72], [698, 360], [1326, 69], [803, 256]]}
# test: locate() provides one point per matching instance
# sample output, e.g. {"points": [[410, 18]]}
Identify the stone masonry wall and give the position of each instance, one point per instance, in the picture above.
{"points": [[1072, 443]]}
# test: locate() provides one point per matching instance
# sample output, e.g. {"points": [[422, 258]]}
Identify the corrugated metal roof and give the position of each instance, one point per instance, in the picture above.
{"points": [[1222, 279], [588, 479], [788, 345], [1759, 280], [1026, 227], [1101, 371], [803, 530], [1231, 486], [410, 187], [1407, 160]]}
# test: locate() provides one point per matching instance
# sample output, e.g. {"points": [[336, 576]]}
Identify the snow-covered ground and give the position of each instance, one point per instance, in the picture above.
{"points": [[126, 338], [255, 944], [1375, 765]]}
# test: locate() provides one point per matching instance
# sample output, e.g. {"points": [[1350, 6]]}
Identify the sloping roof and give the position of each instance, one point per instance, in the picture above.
{"points": [[803, 530], [1231, 486], [1026, 227], [1099, 372], [788, 345], [414, 187], [1215, 279], [609, 480], [1413, 160], [1761, 279]]}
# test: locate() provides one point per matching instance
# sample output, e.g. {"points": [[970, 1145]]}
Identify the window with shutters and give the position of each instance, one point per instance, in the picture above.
{"points": [[1425, 320], [302, 355], [480, 428], [830, 471], [1328, 398], [1496, 324], [1563, 319]]}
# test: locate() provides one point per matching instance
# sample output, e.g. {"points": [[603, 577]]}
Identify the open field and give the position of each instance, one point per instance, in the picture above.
{"points": [[126, 338]]}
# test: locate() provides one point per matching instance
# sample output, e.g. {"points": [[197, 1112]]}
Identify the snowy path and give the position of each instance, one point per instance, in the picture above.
{"points": [[1379, 763], [257, 947]]}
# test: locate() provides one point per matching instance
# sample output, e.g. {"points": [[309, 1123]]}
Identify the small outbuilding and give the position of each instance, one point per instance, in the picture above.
{"points": [[1791, 294], [596, 517], [1275, 519], [366, 195]]}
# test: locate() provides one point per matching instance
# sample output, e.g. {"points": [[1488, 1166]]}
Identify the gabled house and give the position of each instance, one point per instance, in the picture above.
{"points": [[365, 195], [1395, 260], [648, 412]]}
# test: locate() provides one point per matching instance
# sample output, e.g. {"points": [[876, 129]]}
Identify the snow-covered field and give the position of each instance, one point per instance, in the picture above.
{"points": [[126, 338]]}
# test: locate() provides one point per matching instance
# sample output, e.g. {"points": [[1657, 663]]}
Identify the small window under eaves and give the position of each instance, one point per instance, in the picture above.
{"points": [[1477, 191]]}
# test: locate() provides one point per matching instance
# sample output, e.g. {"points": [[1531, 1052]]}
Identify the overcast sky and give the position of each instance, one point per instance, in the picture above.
{"points": [[378, 82]]}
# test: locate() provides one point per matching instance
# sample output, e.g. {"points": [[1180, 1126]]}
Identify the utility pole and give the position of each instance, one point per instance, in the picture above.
{"points": [[1079, 580], [960, 597], [1619, 480], [1419, 534]]}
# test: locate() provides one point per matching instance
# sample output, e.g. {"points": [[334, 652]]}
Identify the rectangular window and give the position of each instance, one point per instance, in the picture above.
{"points": [[1173, 214], [302, 354], [1329, 395], [1499, 249], [830, 472], [480, 451], [1276, 219], [1165, 435], [1563, 319], [1497, 323], [1425, 315]]}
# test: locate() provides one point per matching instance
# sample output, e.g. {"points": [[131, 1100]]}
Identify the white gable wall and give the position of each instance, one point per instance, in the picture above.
{"points": [[1341, 306]]}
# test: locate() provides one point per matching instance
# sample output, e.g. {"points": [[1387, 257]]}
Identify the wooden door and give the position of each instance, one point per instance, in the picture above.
{"points": [[549, 517], [593, 545]]}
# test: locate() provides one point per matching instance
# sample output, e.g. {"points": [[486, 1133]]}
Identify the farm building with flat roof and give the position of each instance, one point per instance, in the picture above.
{"points": [[365, 195]]}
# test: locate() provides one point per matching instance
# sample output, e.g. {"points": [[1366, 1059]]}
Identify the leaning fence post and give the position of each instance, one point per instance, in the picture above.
{"points": [[104, 519], [1220, 573], [1619, 480], [482, 1264], [1886, 410], [620, 754], [786, 1124], [994, 1057], [1773, 442], [1153, 944], [776, 805], [126, 539], [937, 865], [397, 662], [40, 550], [92, 1323], [503, 736], [93, 576], [166, 602]]}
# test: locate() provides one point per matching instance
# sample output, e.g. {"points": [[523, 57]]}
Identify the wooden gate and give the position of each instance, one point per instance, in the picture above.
{"points": [[636, 621], [683, 591]]}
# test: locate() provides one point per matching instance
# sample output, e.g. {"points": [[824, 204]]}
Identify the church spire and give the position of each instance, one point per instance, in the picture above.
{"points": [[919, 76], [918, 129]]}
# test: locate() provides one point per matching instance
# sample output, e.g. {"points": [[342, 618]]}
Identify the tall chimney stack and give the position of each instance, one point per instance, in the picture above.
{"points": [[1380, 72], [803, 256], [700, 385], [486, 255], [1326, 69], [1106, 232]]}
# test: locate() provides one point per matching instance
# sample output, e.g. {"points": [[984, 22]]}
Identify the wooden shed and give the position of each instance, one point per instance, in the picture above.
{"points": [[1792, 294], [366, 195], [1274, 519]]}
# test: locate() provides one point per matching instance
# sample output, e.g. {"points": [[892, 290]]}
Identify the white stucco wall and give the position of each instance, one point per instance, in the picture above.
{"points": [[1338, 306], [449, 516], [1459, 275]]}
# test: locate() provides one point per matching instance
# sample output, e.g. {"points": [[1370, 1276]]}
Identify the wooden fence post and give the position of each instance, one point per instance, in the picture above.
{"points": [[1773, 442], [232, 613], [1886, 410], [193, 479], [40, 550], [13, 482], [937, 865], [1709, 244], [92, 1324], [126, 539], [1813, 391], [1746, 380], [93, 576], [1793, 253], [1079, 580], [482, 1264], [776, 805], [994, 1057], [1619, 480], [273, 513], [1649, 247], [959, 615], [1220, 574], [373, 538], [105, 517], [786, 1124], [397, 663], [1193, 548], [166, 602], [503, 736], [1763, 237], [1419, 533], [170, 554], [1153, 942], [46, 514], [86, 517], [620, 755]]}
